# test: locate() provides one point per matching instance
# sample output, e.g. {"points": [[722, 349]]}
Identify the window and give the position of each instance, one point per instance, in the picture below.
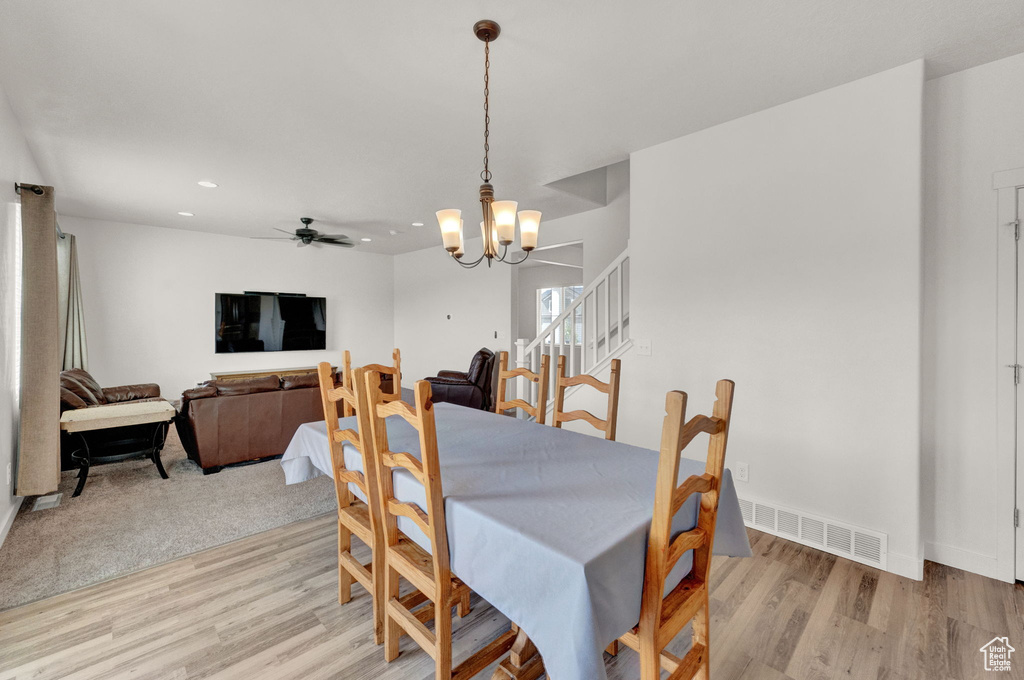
{"points": [[551, 302]]}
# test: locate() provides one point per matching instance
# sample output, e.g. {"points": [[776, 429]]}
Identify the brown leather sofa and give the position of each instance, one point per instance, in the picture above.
{"points": [[228, 422]]}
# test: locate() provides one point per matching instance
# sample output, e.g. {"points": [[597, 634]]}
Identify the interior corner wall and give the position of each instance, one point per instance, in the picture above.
{"points": [[974, 127], [792, 265], [148, 294], [16, 165], [604, 231], [444, 313]]}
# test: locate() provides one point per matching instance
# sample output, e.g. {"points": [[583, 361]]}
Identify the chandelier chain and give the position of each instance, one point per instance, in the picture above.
{"points": [[486, 174]]}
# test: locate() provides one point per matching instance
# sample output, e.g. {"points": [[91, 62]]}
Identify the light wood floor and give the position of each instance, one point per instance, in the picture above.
{"points": [[266, 607]]}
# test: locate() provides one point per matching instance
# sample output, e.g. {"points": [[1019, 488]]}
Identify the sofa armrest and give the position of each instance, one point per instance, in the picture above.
{"points": [[459, 375], [115, 395], [441, 380]]}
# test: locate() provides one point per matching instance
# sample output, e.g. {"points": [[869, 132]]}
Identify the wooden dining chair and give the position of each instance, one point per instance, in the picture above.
{"points": [[395, 371], [429, 572], [354, 516], [611, 388], [542, 378], [662, 617]]}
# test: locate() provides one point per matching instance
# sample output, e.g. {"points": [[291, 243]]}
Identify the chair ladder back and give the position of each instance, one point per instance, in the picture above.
{"points": [[336, 437], [395, 371], [662, 617], [426, 470], [611, 388], [347, 381], [352, 517], [542, 378]]}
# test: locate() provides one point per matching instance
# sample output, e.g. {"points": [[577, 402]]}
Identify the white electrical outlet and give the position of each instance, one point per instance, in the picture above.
{"points": [[742, 472], [643, 348]]}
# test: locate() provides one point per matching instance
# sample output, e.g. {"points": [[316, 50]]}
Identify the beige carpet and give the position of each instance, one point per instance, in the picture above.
{"points": [[129, 519]]}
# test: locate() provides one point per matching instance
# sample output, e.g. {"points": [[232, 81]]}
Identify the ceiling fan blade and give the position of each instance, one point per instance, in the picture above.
{"points": [[273, 238], [343, 244], [285, 231], [333, 237]]}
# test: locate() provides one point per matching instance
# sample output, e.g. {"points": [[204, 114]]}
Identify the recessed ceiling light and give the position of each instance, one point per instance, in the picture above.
{"points": [[366, 240], [207, 184], [417, 224], [187, 214], [394, 232]]}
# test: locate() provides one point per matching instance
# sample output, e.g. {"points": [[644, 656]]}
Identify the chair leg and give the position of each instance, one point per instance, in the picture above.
{"points": [[378, 571], [613, 648], [344, 578], [443, 637], [392, 631], [650, 658], [463, 607], [701, 636]]}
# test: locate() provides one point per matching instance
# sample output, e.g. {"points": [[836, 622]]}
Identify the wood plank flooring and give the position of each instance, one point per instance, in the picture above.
{"points": [[266, 607]]}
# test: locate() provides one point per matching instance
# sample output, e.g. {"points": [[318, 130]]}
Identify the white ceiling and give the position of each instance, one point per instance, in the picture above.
{"points": [[367, 115]]}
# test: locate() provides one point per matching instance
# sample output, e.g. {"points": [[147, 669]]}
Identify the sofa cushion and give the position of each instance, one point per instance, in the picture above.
{"points": [[292, 382], [70, 383], [230, 388], [201, 392], [121, 393], [83, 378], [69, 400]]}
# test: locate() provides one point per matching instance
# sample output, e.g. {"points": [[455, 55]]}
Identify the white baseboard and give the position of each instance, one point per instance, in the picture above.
{"points": [[904, 565], [9, 520], [967, 560]]}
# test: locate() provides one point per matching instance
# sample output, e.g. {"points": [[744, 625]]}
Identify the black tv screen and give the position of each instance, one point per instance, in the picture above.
{"points": [[267, 322]]}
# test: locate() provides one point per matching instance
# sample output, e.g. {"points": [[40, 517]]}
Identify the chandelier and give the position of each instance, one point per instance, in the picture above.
{"points": [[498, 227]]}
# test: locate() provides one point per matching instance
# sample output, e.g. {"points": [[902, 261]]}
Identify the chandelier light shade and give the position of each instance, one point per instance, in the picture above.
{"points": [[498, 228], [529, 226], [451, 228]]}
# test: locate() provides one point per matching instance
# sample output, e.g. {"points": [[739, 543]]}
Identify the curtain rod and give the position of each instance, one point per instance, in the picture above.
{"points": [[38, 191]]}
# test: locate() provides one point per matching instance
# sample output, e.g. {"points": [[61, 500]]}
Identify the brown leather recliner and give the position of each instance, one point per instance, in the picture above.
{"points": [[472, 388], [228, 422]]}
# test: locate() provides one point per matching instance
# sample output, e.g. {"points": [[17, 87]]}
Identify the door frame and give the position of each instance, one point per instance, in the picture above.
{"points": [[1009, 557]]}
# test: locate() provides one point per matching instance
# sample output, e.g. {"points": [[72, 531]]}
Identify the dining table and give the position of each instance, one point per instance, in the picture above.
{"points": [[548, 525]]}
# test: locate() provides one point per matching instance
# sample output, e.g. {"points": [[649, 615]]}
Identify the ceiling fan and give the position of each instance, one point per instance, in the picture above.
{"points": [[305, 235]]}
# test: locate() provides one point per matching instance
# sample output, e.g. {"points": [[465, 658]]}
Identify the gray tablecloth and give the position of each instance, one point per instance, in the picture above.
{"points": [[549, 526]]}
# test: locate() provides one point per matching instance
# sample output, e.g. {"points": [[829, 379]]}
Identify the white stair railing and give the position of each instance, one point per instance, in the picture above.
{"points": [[591, 331]]}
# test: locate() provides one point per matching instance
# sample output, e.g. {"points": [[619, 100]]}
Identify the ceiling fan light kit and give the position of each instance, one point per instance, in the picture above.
{"points": [[498, 228]]}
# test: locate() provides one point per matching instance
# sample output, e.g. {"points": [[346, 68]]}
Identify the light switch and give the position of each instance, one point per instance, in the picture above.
{"points": [[643, 348]]}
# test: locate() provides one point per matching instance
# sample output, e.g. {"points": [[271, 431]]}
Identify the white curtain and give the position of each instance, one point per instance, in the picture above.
{"points": [[69, 305]]}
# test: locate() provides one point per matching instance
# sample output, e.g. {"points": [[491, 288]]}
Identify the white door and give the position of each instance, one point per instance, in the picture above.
{"points": [[1020, 396]]}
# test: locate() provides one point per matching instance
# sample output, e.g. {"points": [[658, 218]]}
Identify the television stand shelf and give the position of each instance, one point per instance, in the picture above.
{"points": [[246, 375]]}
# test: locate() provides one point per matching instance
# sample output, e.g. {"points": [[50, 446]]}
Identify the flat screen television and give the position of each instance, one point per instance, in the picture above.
{"points": [[270, 322]]}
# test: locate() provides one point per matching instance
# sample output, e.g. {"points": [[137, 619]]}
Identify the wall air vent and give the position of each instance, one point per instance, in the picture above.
{"points": [[838, 538]]}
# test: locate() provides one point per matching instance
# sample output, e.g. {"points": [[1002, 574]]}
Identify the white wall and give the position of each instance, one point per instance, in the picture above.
{"points": [[149, 300], [604, 231], [16, 165], [444, 313], [974, 126], [782, 250]]}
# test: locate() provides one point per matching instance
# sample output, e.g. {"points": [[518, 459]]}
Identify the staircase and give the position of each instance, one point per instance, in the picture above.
{"points": [[592, 331]]}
